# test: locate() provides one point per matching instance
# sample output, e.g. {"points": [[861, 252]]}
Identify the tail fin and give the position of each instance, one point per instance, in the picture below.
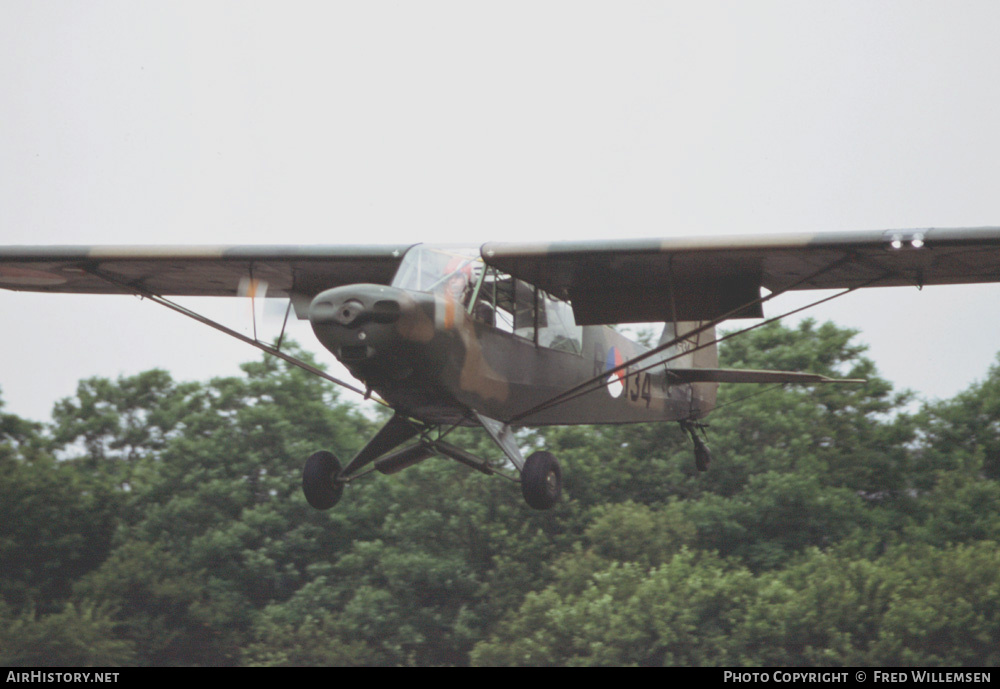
{"points": [[695, 350], [688, 352]]}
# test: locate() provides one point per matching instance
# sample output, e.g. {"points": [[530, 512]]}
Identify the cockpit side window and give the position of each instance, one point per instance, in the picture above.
{"points": [[506, 303], [490, 296], [557, 329], [524, 310], [516, 307], [495, 303]]}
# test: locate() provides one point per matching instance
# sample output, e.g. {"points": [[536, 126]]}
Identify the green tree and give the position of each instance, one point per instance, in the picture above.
{"points": [[683, 612], [56, 521], [215, 526], [163, 524], [848, 435], [76, 636], [964, 432], [913, 606], [776, 517]]}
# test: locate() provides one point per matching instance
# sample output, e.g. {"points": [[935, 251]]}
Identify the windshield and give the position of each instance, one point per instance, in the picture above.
{"points": [[440, 269]]}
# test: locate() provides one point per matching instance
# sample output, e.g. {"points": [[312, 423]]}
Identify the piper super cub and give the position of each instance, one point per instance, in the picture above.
{"points": [[516, 335]]}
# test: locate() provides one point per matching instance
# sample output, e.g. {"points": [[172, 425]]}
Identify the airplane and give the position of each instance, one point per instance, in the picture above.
{"points": [[511, 335]]}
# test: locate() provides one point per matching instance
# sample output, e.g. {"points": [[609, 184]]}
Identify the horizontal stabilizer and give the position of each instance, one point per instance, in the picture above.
{"points": [[733, 375]]}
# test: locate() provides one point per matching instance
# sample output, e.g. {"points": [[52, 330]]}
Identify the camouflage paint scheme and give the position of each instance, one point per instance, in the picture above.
{"points": [[436, 361], [436, 369]]}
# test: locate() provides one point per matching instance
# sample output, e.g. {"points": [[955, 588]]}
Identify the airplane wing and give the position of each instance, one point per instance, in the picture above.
{"points": [[290, 271], [703, 278]]}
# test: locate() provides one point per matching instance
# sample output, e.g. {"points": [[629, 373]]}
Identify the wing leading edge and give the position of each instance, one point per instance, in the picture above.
{"points": [[703, 278], [211, 271]]}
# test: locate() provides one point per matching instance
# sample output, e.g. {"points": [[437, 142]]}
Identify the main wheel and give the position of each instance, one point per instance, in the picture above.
{"points": [[541, 481], [319, 482]]}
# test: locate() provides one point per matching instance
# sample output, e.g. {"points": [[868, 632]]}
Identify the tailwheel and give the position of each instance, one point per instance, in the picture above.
{"points": [[541, 481], [319, 480], [702, 455]]}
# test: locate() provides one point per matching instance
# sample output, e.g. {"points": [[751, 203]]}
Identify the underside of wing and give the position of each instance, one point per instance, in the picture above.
{"points": [[704, 278], [289, 271]]}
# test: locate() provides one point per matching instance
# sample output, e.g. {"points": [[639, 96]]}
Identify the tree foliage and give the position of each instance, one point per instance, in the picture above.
{"points": [[161, 523]]}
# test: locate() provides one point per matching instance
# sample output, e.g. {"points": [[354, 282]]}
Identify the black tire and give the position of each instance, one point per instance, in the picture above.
{"points": [[322, 491], [541, 481]]}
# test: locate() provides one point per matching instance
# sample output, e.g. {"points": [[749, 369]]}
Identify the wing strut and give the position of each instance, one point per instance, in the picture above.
{"points": [[587, 386], [273, 351]]}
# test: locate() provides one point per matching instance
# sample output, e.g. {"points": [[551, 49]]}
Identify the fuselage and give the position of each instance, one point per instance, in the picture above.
{"points": [[450, 336]]}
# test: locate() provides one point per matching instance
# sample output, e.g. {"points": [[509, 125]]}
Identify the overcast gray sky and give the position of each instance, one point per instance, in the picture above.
{"points": [[346, 122]]}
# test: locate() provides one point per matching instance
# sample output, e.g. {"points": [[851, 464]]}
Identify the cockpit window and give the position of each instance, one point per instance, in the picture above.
{"points": [[490, 296], [443, 270], [557, 329], [516, 307], [507, 304]]}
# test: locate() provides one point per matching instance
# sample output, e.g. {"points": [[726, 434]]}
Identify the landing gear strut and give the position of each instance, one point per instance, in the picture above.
{"points": [[323, 480]]}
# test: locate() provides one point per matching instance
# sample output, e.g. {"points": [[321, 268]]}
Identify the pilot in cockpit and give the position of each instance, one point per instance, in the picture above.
{"points": [[459, 272]]}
